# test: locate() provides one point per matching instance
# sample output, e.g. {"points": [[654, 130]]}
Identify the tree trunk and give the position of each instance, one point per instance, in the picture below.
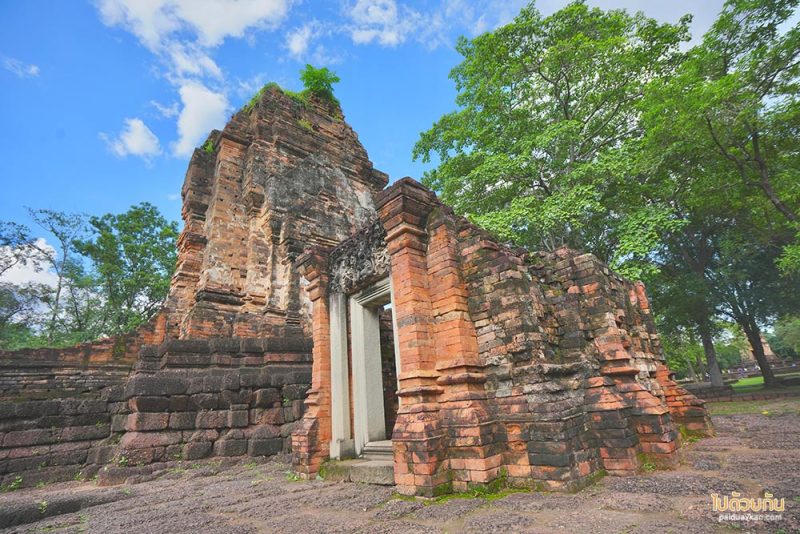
{"points": [[753, 334], [701, 368], [690, 371], [715, 375]]}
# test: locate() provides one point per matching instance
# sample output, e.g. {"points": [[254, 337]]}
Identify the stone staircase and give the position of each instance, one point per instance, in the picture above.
{"points": [[378, 450], [375, 466]]}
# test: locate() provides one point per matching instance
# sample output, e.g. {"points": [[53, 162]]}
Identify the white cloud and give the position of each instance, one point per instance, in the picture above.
{"points": [[381, 21], [31, 273], [166, 111], [381, 12], [203, 110], [298, 40], [157, 22], [20, 69], [300, 43], [189, 60], [214, 20], [174, 197], [183, 34], [135, 139]]}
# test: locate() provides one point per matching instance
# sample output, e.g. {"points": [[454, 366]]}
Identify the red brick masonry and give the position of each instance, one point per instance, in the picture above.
{"points": [[542, 369]]}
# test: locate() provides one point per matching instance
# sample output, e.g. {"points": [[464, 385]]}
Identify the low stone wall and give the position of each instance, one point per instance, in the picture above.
{"points": [[45, 373], [55, 415], [70, 413], [190, 399]]}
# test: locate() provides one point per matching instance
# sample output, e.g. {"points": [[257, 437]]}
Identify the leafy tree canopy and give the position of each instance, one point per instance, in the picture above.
{"points": [[134, 256], [110, 277], [546, 105]]}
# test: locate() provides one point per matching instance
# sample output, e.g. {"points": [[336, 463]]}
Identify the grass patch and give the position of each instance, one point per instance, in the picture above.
{"points": [[306, 125], [753, 384], [250, 106], [690, 436], [14, 485], [291, 476], [786, 405], [494, 490], [749, 384], [647, 463]]}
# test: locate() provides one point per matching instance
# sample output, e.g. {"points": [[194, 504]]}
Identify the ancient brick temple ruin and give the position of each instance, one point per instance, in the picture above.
{"points": [[317, 312]]}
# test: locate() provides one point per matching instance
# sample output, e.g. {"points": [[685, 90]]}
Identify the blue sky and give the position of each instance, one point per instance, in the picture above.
{"points": [[103, 102]]}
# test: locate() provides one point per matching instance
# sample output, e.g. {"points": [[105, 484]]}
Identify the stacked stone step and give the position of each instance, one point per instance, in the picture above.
{"points": [[650, 417], [609, 414]]}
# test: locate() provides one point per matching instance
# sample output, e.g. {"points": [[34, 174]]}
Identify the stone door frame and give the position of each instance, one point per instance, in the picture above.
{"points": [[367, 374]]}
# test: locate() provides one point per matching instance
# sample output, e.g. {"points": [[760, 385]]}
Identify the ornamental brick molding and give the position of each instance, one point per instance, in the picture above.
{"points": [[316, 312]]}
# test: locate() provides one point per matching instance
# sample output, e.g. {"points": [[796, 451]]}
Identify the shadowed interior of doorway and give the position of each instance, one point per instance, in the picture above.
{"points": [[388, 370]]}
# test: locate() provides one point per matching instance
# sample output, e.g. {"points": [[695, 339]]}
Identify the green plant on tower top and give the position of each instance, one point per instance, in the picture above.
{"points": [[319, 82]]}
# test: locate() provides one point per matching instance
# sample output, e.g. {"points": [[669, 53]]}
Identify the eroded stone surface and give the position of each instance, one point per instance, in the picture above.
{"points": [[261, 498]]}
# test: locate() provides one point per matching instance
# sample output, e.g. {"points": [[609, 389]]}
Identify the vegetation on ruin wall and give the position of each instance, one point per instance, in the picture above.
{"points": [[317, 82], [108, 275], [603, 131]]}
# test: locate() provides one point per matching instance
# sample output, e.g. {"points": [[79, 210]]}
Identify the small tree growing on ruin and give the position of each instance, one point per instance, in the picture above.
{"points": [[319, 82]]}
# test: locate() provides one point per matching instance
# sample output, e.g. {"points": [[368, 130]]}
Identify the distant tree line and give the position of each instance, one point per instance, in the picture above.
{"points": [[599, 130], [105, 276]]}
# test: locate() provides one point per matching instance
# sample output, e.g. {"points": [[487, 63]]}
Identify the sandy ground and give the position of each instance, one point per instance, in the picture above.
{"points": [[750, 454]]}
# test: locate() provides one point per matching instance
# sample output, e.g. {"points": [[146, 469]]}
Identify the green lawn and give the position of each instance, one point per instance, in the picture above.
{"points": [[769, 407], [748, 385], [754, 383]]}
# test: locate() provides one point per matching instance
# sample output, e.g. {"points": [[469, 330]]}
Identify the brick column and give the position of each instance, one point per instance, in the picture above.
{"points": [[474, 447], [419, 442], [311, 440]]}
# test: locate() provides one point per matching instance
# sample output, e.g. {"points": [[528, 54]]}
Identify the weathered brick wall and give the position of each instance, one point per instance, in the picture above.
{"points": [[573, 363], [542, 368], [56, 410], [281, 177], [220, 397]]}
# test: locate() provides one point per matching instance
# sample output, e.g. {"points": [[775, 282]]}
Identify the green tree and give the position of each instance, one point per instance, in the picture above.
{"points": [[133, 256], [686, 307], [18, 247], [19, 306], [319, 81], [66, 228], [786, 337], [734, 102], [546, 105], [720, 149]]}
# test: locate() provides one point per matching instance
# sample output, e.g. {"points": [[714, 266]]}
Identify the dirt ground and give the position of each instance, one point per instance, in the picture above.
{"points": [[751, 453]]}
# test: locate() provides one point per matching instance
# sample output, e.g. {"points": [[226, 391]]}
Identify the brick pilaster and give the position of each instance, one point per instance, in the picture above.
{"points": [[311, 440], [419, 441]]}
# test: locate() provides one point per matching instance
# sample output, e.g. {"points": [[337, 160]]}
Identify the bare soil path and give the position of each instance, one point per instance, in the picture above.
{"points": [[752, 453]]}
